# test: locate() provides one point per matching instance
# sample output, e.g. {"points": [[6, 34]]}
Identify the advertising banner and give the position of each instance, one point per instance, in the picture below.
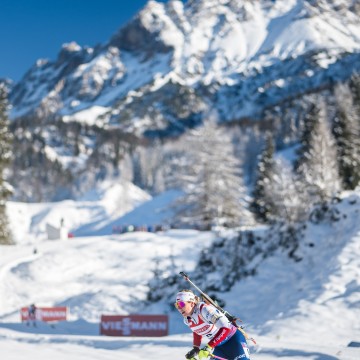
{"points": [[134, 325], [46, 313]]}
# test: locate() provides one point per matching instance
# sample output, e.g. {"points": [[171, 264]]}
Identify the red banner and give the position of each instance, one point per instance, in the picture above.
{"points": [[46, 313], [134, 325]]}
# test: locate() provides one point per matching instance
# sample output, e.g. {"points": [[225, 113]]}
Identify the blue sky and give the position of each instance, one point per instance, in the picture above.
{"points": [[34, 29]]}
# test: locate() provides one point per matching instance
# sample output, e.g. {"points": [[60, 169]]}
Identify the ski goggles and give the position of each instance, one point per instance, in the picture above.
{"points": [[180, 304]]}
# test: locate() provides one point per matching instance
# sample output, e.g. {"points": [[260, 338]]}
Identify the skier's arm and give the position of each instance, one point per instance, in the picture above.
{"points": [[219, 337], [196, 340]]}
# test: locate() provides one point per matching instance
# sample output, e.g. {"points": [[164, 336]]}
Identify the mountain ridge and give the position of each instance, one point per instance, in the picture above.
{"points": [[191, 43], [165, 71]]}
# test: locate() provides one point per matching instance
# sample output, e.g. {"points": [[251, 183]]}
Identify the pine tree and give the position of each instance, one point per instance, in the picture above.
{"points": [[5, 158], [346, 130], [261, 204], [308, 123], [319, 166], [211, 179], [355, 90], [287, 194], [150, 166]]}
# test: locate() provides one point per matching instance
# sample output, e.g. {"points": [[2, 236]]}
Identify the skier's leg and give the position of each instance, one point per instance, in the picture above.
{"points": [[234, 349], [219, 352]]}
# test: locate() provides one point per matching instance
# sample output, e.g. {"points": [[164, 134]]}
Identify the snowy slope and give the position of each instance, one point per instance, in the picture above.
{"points": [[295, 310], [92, 214]]}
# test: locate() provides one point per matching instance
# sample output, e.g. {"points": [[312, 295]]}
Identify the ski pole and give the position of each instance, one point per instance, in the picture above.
{"points": [[231, 318], [217, 357]]}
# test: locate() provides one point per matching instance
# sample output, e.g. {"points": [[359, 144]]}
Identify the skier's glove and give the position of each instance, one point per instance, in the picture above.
{"points": [[192, 353], [205, 352]]}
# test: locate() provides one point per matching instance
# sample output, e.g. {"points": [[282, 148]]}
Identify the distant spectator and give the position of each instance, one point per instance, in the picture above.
{"points": [[159, 228], [32, 315]]}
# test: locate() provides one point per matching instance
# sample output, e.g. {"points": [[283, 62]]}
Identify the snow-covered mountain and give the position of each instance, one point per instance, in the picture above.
{"points": [[75, 119], [238, 56]]}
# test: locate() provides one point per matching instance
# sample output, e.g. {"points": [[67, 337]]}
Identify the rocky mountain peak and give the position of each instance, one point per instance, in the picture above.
{"points": [[143, 33]]}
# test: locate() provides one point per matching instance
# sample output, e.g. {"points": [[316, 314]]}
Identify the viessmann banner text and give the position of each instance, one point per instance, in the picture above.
{"points": [[58, 313], [134, 325]]}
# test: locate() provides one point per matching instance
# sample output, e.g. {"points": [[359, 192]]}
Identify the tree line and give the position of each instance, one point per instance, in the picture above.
{"points": [[234, 175], [5, 159]]}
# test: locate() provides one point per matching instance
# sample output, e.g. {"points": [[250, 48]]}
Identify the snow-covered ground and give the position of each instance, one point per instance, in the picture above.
{"points": [[295, 310]]}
